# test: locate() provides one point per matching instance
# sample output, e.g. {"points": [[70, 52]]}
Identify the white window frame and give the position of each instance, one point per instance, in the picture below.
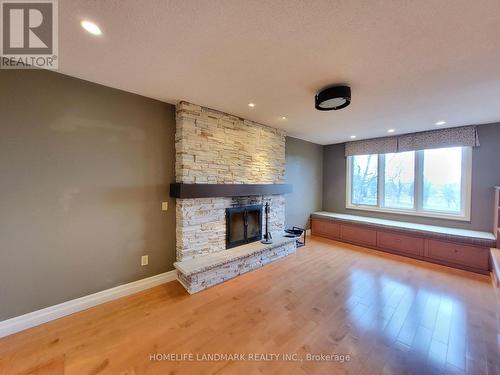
{"points": [[465, 204]]}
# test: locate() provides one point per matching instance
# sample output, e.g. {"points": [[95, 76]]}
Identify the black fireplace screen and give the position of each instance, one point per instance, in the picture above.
{"points": [[243, 225]]}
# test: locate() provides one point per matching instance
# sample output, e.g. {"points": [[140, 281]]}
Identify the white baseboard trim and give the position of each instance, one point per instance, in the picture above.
{"points": [[32, 319]]}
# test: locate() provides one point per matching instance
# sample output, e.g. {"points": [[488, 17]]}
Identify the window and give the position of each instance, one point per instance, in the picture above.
{"points": [[399, 180], [364, 178], [442, 179], [434, 182]]}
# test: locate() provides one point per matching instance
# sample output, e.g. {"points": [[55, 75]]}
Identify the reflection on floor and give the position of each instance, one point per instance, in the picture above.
{"points": [[391, 315], [419, 321]]}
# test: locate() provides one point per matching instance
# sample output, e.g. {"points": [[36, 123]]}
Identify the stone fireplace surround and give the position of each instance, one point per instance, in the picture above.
{"points": [[205, 271], [217, 148]]}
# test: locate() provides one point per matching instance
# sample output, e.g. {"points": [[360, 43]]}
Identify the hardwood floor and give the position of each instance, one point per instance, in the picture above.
{"points": [[390, 314]]}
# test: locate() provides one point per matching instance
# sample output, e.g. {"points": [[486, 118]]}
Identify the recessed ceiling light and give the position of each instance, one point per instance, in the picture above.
{"points": [[352, 136], [440, 123], [391, 131], [91, 27], [251, 105], [283, 118]]}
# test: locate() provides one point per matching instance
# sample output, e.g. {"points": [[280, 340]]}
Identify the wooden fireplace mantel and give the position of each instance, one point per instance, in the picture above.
{"points": [[184, 191]]}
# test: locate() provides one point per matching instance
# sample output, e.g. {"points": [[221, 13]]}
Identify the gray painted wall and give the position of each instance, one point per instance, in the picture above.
{"points": [[84, 169], [304, 169], [485, 175]]}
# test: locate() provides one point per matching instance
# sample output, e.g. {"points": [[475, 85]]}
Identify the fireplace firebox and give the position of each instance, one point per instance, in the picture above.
{"points": [[243, 225]]}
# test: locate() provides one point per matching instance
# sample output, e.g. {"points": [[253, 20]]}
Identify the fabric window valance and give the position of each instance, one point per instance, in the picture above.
{"points": [[372, 146], [450, 137]]}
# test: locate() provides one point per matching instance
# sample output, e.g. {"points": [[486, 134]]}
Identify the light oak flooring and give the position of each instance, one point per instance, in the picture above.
{"points": [[390, 314]]}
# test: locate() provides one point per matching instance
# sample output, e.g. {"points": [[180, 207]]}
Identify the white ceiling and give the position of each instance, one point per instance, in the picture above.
{"points": [[409, 63]]}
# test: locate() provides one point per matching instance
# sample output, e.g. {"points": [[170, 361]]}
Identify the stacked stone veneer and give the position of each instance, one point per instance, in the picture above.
{"points": [[218, 148], [205, 277]]}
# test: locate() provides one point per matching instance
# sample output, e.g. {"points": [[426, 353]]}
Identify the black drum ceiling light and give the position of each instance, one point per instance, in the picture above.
{"points": [[333, 98]]}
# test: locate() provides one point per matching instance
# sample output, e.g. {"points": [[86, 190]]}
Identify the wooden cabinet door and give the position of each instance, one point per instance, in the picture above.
{"points": [[325, 228], [400, 243], [358, 234], [466, 255]]}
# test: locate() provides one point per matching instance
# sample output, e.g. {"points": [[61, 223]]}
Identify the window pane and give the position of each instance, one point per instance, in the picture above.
{"points": [[399, 180], [442, 179], [364, 179]]}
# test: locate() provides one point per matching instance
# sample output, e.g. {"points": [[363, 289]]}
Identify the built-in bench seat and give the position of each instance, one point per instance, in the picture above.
{"points": [[495, 268], [460, 248], [207, 270]]}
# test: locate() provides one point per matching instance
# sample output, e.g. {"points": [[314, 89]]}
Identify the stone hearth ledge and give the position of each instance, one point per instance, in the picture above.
{"points": [[207, 270]]}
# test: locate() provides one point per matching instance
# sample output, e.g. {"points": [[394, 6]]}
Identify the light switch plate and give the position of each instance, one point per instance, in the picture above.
{"points": [[144, 260], [164, 206]]}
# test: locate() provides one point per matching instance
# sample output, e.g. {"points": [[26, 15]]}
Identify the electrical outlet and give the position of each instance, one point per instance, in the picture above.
{"points": [[164, 206], [144, 260]]}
